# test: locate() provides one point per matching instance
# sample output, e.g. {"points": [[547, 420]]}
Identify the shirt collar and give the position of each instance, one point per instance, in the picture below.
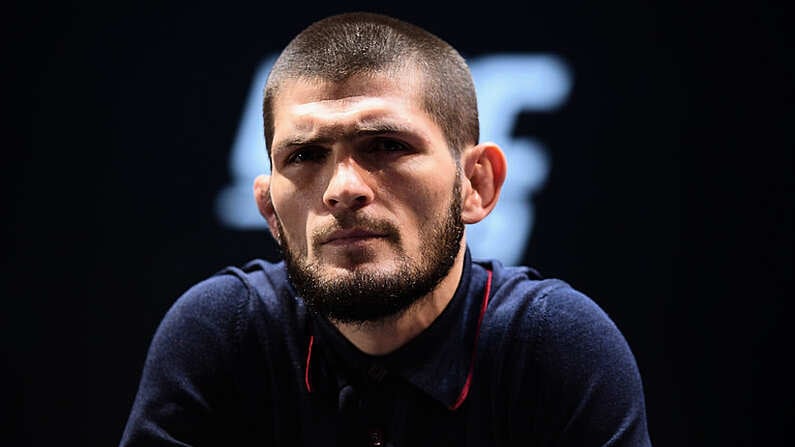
{"points": [[438, 361]]}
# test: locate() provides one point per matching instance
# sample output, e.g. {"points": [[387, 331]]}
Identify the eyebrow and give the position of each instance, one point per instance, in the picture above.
{"points": [[333, 133]]}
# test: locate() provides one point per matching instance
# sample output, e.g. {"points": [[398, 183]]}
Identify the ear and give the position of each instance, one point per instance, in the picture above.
{"points": [[262, 195], [485, 168]]}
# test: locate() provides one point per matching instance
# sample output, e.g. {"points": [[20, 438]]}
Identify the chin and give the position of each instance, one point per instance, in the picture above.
{"points": [[373, 267], [360, 258]]}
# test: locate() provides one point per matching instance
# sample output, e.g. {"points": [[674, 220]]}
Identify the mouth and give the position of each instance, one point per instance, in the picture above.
{"points": [[351, 236]]}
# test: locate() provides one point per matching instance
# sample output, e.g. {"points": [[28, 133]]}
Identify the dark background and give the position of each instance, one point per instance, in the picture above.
{"points": [[669, 200]]}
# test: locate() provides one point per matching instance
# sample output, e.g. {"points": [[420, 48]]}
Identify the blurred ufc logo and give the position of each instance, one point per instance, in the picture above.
{"points": [[507, 85]]}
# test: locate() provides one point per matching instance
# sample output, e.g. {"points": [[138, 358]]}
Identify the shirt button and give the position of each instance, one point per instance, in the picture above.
{"points": [[375, 436]]}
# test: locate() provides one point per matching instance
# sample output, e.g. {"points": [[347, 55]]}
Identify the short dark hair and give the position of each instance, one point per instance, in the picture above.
{"points": [[340, 46]]}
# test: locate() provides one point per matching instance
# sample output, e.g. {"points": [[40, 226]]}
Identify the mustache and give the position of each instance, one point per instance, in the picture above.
{"points": [[354, 221]]}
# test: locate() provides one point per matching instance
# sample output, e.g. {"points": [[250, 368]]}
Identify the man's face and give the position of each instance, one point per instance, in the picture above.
{"points": [[366, 195]]}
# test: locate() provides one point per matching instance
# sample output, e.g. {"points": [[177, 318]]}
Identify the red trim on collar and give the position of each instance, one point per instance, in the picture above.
{"points": [[309, 359], [465, 390]]}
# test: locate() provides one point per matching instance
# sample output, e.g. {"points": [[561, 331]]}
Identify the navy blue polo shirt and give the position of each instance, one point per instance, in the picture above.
{"points": [[513, 359]]}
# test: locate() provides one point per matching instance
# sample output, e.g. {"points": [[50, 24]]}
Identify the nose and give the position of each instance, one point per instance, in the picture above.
{"points": [[348, 188]]}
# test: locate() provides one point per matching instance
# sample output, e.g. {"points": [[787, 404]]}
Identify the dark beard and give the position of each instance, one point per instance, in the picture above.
{"points": [[367, 297]]}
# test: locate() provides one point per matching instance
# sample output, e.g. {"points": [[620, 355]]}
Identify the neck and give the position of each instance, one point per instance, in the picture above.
{"points": [[383, 337]]}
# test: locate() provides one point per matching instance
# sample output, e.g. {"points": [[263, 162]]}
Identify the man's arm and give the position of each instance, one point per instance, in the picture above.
{"points": [[565, 374], [187, 368], [593, 390]]}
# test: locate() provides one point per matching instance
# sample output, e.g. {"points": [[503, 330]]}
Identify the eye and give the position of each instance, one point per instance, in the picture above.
{"points": [[307, 154], [387, 145]]}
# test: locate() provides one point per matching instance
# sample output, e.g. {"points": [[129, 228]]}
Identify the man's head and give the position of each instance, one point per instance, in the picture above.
{"points": [[372, 176], [358, 44]]}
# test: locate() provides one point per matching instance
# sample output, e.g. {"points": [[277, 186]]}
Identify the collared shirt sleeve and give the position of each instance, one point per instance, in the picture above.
{"points": [[186, 370], [592, 372], [577, 383]]}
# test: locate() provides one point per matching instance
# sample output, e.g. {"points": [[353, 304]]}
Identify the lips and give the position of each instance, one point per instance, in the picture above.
{"points": [[350, 236]]}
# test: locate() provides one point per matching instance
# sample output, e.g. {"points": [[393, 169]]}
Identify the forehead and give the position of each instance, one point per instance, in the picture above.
{"points": [[305, 105], [404, 83]]}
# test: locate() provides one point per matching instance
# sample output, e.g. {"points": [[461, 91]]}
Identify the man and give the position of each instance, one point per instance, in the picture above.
{"points": [[378, 328]]}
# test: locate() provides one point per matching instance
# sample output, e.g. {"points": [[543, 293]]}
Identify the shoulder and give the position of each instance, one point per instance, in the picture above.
{"points": [[230, 296], [520, 295], [552, 345], [228, 285], [555, 316]]}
